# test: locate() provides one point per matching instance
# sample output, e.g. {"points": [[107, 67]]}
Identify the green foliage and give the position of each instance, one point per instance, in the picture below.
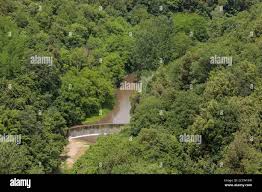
{"points": [[94, 47], [191, 23], [241, 157], [12, 43], [146, 114], [152, 44], [143, 154], [83, 93], [182, 111], [220, 103], [14, 159]]}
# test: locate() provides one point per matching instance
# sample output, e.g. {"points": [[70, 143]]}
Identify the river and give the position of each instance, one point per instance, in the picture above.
{"points": [[119, 115], [121, 111]]}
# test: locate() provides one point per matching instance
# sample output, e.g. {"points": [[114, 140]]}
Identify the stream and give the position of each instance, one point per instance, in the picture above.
{"points": [[119, 115]]}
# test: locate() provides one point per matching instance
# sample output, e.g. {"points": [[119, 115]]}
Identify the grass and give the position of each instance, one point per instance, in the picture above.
{"points": [[94, 119]]}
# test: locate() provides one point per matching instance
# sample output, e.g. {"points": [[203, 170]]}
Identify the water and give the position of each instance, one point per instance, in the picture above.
{"points": [[121, 111]]}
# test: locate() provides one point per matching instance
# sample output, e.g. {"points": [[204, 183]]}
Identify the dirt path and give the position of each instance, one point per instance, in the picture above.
{"points": [[75, 149]]}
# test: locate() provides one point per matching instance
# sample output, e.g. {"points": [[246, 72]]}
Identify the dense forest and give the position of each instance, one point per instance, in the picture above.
{"points": [[200, 62]]}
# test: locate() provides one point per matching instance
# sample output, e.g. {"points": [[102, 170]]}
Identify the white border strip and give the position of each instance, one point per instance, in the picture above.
{"points": [[94, 134]]}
